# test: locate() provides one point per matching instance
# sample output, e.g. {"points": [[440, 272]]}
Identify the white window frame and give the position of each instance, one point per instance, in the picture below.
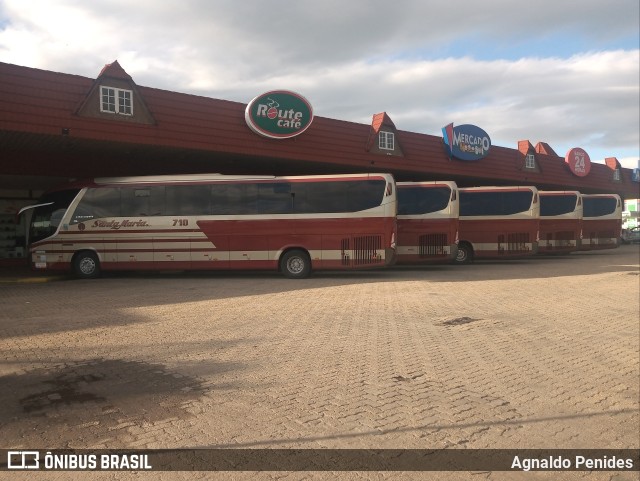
{"points": [[386, 140], [530, 161], [617, 175], [120, 101]]}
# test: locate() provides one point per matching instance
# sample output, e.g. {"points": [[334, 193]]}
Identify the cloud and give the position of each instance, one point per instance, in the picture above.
{"points": [[630, 162], [551, 100], [561, 72]]}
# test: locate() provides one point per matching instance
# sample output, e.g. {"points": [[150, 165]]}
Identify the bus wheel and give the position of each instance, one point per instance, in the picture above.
{"points": [[86, 265], [295, 264], [465, 254]]}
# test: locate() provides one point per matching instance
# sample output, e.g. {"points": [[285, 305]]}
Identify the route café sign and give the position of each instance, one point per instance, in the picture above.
{"points": [[279, 114], [578, 161], [466, 142]]}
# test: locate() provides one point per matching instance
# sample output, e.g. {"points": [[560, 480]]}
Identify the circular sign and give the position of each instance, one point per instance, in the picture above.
{"points": [[578, 161], [279, 114]]}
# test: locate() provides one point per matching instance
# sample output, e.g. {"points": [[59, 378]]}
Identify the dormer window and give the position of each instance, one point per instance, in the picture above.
{"points": [[530, 161], [386, 140], [116, 101], [382, 137], [616, 175]]}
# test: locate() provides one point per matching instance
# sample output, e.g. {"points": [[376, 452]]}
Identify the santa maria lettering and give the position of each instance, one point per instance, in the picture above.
{"points": [[115, 224]]}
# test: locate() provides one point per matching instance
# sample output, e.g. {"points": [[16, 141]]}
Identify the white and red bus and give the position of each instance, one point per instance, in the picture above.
{"points": [[560, 222], [601, 221], [291, 224], [498, 222], [427, 222]]}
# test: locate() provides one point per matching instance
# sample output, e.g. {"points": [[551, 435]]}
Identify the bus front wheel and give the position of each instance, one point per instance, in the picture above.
{"points": [[465, 254], [295, 264], [86, 265]]}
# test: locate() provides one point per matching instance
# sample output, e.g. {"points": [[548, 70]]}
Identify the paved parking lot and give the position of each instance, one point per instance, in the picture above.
{"points": [[536, 353]]}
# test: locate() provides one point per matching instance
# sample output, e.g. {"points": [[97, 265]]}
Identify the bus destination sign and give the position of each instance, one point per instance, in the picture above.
{"points": [[578, 161], [466, 142], [279, 114]]}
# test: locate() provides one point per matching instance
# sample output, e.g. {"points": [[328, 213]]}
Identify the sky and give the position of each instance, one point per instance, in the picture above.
{"points": [[557, 71]]}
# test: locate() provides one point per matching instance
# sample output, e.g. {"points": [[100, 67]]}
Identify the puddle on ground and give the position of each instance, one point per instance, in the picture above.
{"points": [[400, 378], [96, 401], [459, 321], [64, 390], [127, 388]]}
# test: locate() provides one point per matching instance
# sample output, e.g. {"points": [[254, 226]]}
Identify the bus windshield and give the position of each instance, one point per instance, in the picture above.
{"points": [[49, 212], [552, 205], [599, 206], [420, 200], [499, 202]]}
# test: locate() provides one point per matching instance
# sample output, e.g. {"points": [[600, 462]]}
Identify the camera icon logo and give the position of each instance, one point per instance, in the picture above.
{"points": [[23, 460]]}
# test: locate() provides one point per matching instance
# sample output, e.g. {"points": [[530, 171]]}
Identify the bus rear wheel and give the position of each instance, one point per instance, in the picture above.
{"points": [[295, 264], [465, 253], [86, 265]]}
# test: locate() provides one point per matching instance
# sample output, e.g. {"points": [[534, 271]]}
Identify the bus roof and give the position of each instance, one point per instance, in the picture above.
{"points": [[449, 183], [616, 196], [559, 192], [499, 187], [166, 179]]}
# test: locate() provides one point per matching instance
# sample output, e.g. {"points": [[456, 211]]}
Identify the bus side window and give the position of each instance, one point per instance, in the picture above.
{"points": [[188, 200], [516, 202], [274, 198], [365, 195], [98, 203], [143, 201], [317, 197], [234, 199]]}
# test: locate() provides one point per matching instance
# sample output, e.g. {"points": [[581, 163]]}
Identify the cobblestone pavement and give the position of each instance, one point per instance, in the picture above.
{"points": [[536, 353]]}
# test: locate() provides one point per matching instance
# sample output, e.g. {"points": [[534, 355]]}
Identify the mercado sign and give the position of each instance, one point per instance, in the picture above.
{"points": [[578, 161], [466, 142], [279, 114]]}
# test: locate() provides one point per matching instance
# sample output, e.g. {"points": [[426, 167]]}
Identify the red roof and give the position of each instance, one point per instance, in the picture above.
{"points": [[41, 103], [612, 163], [524, 146], [381, 119], [114, 70], [544, 148]]}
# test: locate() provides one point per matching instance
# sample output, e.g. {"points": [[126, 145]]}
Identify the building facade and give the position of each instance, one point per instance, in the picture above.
{"points": [[55, 127]]}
